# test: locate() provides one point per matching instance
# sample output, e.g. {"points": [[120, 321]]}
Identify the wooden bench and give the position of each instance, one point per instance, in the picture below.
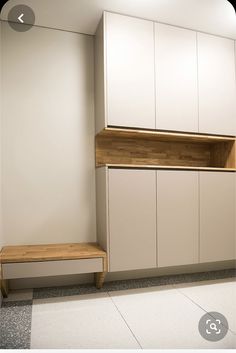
{"points": [[50, 260]]}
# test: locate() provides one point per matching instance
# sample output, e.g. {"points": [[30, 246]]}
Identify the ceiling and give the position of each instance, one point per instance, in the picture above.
{"points": [[212, 16]]}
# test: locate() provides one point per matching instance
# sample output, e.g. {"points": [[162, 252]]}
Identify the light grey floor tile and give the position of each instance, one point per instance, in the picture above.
{"points": [[163, 318], [217, 295], [79, 322]]}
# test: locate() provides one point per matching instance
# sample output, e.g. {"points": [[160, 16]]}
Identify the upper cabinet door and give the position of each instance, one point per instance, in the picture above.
{"points": [[217, 93], [130, 89], [176, 78]]}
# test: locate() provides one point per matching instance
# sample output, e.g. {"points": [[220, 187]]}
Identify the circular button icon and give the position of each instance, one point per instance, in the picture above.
{"points": [[213, 326], [21, 18]]}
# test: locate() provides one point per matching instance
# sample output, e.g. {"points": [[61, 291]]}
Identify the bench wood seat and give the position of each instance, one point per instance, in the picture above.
{"points": [[53, 252]]}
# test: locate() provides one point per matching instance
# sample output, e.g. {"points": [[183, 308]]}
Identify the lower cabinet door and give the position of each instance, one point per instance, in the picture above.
{"points": [[177, 218], [217, 216], [132, 219]]}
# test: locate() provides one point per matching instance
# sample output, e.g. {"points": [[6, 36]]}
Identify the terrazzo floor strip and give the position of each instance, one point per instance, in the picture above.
{"points": [[15, 324], [51, 292]]}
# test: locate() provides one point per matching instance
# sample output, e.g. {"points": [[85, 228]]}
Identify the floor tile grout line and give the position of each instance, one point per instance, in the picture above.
{"points": [[108, 293], [186, 296]]}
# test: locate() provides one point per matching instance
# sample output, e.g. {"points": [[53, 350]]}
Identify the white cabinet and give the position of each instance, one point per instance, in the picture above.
{"points": [[129, 65], [132, 219], [217, 90], [151, 218], [176, 78], [177, 218], [217, 216], [156, 76]]}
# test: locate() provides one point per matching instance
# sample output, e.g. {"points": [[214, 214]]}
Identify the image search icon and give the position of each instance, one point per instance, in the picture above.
{"points": [[213, 326]]}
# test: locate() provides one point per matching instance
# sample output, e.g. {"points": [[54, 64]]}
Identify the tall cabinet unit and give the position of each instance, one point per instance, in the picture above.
{"points": [[165, 144]]}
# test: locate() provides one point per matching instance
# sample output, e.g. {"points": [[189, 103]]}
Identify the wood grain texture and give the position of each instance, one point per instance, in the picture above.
{"points": [[163, 135], [4, 288], [166, 167], [223, 154], [116, 150], [3, 284], [99, 279], [139, 147], [50, 252]]}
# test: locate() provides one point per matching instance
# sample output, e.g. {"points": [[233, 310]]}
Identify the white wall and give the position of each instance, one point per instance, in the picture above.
{"points": [[213, 16], [48, 137]]}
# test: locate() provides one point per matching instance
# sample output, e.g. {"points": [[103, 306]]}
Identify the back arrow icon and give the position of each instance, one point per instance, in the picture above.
{"points": [[20, 18]]}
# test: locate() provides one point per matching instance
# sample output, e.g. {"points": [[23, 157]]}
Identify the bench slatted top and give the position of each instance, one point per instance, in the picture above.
{"points": [[51, 252]]}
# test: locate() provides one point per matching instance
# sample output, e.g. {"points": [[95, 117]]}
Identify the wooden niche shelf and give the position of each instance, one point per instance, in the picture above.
{"points": [[129, 147]]}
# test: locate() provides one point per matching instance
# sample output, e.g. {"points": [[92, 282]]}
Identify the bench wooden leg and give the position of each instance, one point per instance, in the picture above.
{"points": [[4, 288], [3, 284], [99, 279]]}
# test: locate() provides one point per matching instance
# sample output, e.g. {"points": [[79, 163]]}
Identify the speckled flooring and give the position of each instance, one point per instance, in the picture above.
{"points": [[15, 324], [124, 314]]}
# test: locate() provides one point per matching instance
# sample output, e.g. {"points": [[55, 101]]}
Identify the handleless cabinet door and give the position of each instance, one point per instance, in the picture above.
{"points": [[130, 71], [132, 219], [176, 78], [177, 218], [217, 93], [217, 216]]}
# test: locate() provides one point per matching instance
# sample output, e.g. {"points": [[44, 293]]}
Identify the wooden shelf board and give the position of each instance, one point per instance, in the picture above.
{"points": [[50, 252], [134, 148], [164, 135], [137, 166]]}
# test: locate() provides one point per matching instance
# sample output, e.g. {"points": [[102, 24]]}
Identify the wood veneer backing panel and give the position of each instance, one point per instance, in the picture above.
{"points": [[124, 147], [223, 154], [116, 150]]}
